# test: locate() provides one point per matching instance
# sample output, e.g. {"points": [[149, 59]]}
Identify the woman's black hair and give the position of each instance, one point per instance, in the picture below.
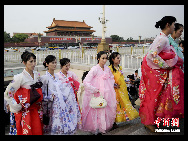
{"points": [[64, 61], [181, 42], [99, 55], [84, 75], [48, 59], [177, 26], [166, 19], [113, 56], [27, 55], [132, 77]]}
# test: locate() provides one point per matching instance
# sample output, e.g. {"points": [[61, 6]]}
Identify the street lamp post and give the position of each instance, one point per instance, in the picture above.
{"points": [[139, 38], [103, 24], [103, 46], [39, 38]]}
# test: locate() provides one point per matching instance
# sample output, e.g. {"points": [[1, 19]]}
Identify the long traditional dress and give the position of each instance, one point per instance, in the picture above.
{"points": [[161, 91], [125, 111], [80, 94], [63, 110], [70, 78], [28, 117], [99, 120], [13, 130]]}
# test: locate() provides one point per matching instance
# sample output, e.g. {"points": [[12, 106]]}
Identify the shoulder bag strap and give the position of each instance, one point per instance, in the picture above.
{"points": [[47, 96]]}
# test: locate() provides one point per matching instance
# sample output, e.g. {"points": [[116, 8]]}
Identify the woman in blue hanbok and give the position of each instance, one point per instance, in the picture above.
{"points": [[176, 34], [63, 109]]}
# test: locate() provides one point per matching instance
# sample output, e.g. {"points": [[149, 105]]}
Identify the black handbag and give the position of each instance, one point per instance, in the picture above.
{"points": [[34, 95], [46, 117]]}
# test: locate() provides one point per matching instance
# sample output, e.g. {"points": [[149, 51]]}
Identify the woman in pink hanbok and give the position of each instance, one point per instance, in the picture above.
{"points": [[162, 83], [99, 79]]}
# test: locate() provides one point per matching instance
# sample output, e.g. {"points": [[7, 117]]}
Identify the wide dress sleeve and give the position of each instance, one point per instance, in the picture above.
{"points": [[74, 76], [10, 91], [88, 79], [153, 59], [45, 80]]}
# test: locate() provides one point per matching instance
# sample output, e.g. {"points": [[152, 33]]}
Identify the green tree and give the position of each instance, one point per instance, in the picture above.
{"points": [[116, 38], [17, 38], [130, 39], [6, 37]]}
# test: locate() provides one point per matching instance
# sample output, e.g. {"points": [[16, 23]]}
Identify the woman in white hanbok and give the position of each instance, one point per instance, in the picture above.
{"points": [[68, 77], [63, 109]]}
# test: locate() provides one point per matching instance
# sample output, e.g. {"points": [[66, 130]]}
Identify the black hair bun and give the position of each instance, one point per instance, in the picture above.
{"points": [[24, 54], [48, 59], [27, 55], [44, 64], [158, 24]]}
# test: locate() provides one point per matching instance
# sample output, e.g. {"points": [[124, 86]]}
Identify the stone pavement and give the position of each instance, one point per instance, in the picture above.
{"points": [[134, 127]]}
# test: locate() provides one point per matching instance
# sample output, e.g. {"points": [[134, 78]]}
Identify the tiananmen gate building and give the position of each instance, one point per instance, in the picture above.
{"points": [[63, 33], [68, 28]]}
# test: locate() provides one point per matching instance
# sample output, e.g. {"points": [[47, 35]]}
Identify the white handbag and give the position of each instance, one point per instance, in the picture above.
{"points": [[98, 102]]}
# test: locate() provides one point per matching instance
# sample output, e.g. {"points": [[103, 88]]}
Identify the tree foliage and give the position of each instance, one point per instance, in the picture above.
{"points": [[130, 39], [116, 38], [6, 37], [17, 38]]}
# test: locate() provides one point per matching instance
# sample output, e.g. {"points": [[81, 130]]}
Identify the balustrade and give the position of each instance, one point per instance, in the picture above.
{"points": [[89, 56]]}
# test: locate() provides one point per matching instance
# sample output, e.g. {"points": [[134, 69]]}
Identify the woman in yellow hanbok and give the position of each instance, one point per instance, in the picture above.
{"points": [[125, 111]]}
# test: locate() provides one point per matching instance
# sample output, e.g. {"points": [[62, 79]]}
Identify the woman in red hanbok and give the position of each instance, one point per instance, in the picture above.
{"points": [[28, 113], [162, 83]]}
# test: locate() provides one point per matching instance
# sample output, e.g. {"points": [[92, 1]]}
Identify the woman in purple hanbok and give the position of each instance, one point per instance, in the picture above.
{"points": [[63, 109]]}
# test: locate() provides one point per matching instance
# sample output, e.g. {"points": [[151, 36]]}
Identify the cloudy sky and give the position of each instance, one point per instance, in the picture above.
{"points": [[124, 20]]}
